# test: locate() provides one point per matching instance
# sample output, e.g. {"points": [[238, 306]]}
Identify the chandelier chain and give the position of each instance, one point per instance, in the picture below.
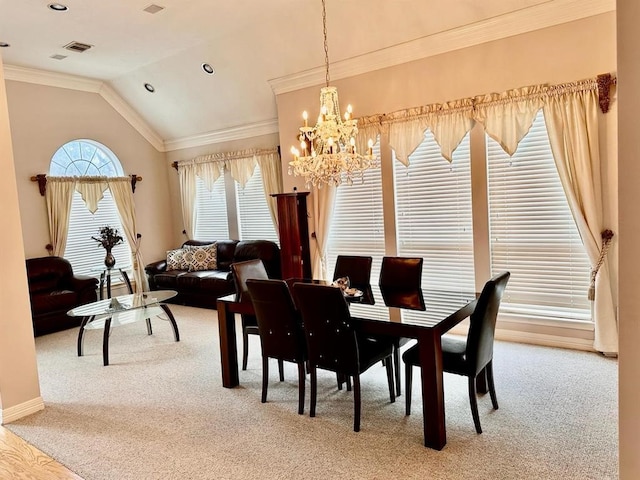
{"points": [[326, 44]]}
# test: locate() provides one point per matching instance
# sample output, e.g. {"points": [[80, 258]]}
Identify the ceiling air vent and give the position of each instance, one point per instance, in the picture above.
{"points": [[153, 8], [77, 47], [58, 57]]}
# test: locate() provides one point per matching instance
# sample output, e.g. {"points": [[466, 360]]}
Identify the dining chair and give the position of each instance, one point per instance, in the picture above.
{"points": [[333, 344], [400, 274], [242, 271], [280, 328], [471, 356], [357, 268]]}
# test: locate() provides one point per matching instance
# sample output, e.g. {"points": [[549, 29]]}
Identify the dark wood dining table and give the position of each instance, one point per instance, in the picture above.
{"points": [[429, 314]]}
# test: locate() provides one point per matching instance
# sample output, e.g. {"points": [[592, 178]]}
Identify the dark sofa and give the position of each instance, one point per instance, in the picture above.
{"points": [[53, 291], [202, 288]]}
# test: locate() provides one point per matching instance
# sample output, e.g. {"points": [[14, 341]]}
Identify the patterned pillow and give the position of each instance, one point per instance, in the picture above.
{"points": [[176, 260], [199, 258]]}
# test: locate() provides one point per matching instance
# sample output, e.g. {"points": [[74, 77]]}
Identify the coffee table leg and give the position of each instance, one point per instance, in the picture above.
{"points": [[176, 333], [85, 320], [149, 329], [105, 342]]}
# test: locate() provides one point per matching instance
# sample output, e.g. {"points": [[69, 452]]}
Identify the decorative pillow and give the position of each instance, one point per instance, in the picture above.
{"points": [[176, 260], [199, 258]]}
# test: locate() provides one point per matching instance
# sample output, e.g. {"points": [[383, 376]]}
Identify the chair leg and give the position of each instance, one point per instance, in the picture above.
{"points": [[314, 391], [357, 403], [348, 380], [265, 377], [492, 388], [396, 365], [408, 378], [389, 367], [474, 404], [245, 348], [340, 380], [301, 382], [281, 369]]}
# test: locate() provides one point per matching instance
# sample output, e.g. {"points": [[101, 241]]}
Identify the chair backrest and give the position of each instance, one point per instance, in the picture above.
{"points": [[401, 272], [242, 271], [357, 268], [483, 323], [331, 339], [279, 322]]}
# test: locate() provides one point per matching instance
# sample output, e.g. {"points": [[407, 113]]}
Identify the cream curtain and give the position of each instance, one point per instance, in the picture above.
{"points": [[323, 202], [571, 116], [450, 123], [59, 195], [271, 169], [123, 196], [187, 180], [92, 190]]}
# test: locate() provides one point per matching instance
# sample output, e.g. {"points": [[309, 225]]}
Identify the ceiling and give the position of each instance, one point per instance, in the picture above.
{"points": [[257, 47]]}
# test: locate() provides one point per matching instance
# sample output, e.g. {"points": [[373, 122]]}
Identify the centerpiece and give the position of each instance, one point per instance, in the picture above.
{"points": [[109, 238]]}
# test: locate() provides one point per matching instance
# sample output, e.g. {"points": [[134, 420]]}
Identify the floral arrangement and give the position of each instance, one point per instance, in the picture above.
{"points": [[109, 237]]}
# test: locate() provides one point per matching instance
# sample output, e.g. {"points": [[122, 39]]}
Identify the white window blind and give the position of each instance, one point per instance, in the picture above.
{"points": [[211, 211], [357, 228], [254, 218], [85, 254], [533, 234], [433, 215]]}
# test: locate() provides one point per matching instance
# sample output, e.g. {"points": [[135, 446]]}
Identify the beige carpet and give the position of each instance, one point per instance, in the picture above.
{"points": [[159, 412]]}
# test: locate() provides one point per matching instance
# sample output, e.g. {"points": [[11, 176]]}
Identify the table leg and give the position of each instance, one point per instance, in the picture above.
{"points": [[176, 333], [125, 277], [228, 348], [108, 284], [105, 342], [102, 275], [435, 435], [85, 320]]}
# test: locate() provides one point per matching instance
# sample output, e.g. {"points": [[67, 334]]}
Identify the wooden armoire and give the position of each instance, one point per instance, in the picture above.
{"points": [[293, 227]]}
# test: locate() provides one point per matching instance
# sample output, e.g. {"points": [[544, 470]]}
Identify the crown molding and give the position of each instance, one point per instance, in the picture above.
{"points": [[83, 84], [233, 133], [547, 14]]}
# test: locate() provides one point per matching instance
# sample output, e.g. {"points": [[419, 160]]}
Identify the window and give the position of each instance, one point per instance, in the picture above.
{"points": [[89, 158], [433, 215], [533, 234], [211, 211], [357, 227], [254, 217]]}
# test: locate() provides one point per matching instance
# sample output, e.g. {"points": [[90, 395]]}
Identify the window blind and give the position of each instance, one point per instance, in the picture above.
{"points": [[211, 211], [433, 215], [357, 228], [254, 217], [533, 234], [85, 254]]}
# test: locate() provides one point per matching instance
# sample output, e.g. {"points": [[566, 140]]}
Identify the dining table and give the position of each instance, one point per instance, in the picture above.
{"points": [[425, 315]]}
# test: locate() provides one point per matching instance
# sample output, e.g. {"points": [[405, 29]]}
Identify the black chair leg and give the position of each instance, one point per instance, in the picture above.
{"points": [[357, 403], [314, 391], [245, 348], [281, 369], [348, 383], [408, 377], [492, 388], [265, 377], [396, 366], [301, 382], [474, 404], [389, 367]]}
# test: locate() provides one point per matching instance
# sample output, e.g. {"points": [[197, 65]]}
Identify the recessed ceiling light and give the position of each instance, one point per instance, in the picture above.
{"points": [[4, 45], [149, 87], [58, 7], [208, 68]]}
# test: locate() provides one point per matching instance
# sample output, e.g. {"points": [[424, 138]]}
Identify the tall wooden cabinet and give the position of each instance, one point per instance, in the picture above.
{"points": [[293, 226]]}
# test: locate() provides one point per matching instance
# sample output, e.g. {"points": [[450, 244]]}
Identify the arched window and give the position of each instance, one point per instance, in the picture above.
{"points": [[89, 158]]}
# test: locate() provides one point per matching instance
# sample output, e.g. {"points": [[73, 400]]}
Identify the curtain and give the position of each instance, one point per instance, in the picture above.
{"points": [[59, 195], [271, 169], [571, 115], [187, 180], [92, 190], [123, 196], [323, 201]]}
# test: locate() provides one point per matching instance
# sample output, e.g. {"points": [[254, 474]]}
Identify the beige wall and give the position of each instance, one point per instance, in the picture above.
{"points": [[629, 199], [564, 53], [43, 119], [18, 369]]}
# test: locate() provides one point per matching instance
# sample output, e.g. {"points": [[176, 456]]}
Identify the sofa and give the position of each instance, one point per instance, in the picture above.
{"points": [[202, 285], [53, 291]]}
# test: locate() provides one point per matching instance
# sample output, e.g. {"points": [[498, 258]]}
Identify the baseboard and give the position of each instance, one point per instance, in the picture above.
{"points": [[16, 412]]}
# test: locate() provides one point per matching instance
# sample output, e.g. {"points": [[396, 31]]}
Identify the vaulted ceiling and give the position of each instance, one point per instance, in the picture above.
{"points": [[256, 47]]}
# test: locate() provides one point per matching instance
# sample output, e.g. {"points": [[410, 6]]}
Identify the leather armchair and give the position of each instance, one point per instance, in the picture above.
{"points": [[53, 291]]}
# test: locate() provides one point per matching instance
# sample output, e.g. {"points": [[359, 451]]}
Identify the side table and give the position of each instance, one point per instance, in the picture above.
{"points": [[105, 277]]}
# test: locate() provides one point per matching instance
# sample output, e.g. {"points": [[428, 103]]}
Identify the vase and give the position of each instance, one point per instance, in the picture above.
{"points": [[109, 259]]}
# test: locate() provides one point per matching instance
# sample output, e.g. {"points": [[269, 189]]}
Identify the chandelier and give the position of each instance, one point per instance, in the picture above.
{"points": [[328, 153]]}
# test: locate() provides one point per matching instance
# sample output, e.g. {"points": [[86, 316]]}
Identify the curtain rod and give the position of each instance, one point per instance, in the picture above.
{"points": [[41, 178]]}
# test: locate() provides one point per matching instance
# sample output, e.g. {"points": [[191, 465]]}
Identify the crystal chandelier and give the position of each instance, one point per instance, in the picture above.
{"points": [[328, 152]]}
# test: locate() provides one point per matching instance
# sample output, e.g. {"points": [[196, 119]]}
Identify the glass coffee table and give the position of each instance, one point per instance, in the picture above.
{"points": [[122, 310]]}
